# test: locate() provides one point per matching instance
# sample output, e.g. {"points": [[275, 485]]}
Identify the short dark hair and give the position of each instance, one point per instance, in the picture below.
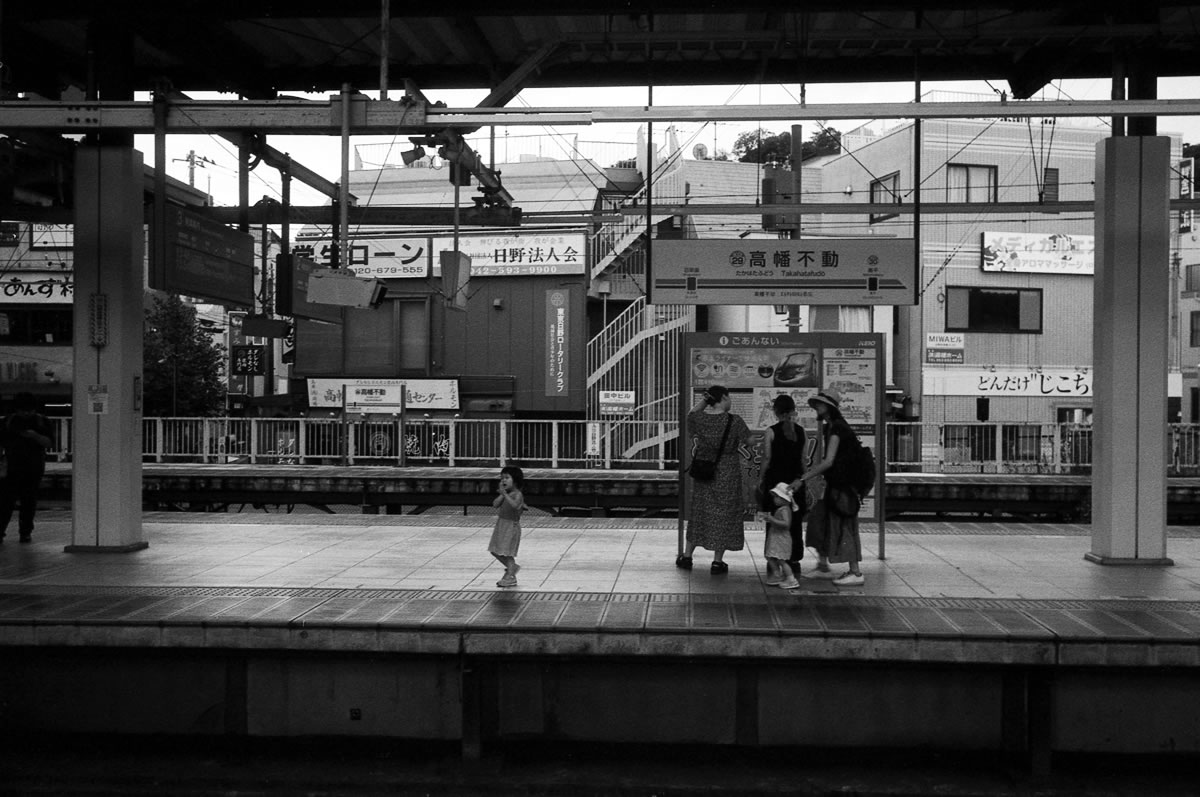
{"points": [[714, 393], [518, 476], [783, 404]]}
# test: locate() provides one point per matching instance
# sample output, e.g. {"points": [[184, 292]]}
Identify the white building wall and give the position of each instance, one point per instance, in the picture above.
{"points": [[951, 248]]}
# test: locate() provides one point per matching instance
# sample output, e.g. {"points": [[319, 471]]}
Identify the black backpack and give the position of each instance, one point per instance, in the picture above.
{"points": [[857, 469]]}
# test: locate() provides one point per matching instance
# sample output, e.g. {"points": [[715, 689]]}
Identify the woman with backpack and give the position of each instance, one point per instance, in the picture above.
{"points": [[840, 542]]}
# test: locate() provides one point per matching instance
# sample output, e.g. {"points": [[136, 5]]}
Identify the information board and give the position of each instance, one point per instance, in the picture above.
{"points": [[205, 260], [757, 367], [821, 271]]}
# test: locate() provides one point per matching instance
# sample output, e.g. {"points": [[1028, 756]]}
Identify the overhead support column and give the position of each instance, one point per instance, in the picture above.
{"points": [[1130, 345], [106, 474]]}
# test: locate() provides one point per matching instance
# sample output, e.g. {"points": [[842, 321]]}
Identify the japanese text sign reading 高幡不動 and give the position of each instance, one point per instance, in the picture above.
{"points": [[825, 271]]}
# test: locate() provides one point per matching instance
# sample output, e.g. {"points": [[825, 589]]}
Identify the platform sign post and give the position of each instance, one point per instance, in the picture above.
{"points": [[756, 367]]}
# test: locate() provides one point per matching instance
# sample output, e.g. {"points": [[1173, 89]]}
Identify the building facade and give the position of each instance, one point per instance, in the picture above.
{"points": [[1003, 326]]}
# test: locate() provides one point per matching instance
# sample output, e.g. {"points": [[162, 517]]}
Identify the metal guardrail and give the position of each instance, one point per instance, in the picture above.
{"points": [[421, 441], [1064, 448], [913, 447]]}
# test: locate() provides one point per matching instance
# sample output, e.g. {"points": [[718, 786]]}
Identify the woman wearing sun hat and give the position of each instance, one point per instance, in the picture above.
{"points": [[840, 540]]}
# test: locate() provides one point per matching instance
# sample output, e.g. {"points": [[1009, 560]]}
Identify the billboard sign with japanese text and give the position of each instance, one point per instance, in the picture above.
{"points": [[1025, 382], [33, 287], [520, 254], [512, 254], [419, 394], [1038, 253], [378, 258], [817, 271], [943, 348]]}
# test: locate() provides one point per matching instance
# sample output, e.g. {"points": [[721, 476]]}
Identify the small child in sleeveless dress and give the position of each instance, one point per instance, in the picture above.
{"points": [[506, 536], [778, 548]]}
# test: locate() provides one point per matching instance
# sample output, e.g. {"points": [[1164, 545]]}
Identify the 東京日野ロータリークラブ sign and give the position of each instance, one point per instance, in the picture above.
{"points": [[855, 271]]}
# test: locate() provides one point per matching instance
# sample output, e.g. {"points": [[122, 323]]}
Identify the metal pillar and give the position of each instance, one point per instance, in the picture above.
{"points": [[106, 479], [1130, 346]]}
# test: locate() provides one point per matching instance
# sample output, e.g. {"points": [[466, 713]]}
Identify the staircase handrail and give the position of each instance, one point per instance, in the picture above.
{"points": [[604, 241], [633, 338]]}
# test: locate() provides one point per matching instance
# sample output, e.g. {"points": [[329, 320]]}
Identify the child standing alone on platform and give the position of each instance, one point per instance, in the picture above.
{"points": [[778, 548], [506, 536]]}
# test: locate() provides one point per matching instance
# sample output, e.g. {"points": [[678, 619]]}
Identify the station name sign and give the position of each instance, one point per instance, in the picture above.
{"points": [[816, 271]]}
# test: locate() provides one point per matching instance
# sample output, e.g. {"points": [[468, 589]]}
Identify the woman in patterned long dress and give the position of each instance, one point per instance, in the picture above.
{"points": [[718, 507]]}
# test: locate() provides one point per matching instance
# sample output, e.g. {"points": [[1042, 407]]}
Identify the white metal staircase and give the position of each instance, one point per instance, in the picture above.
{"points": [[639, 351]]}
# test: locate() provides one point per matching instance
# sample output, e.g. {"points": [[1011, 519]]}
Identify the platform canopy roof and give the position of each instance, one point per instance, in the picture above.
{"points": [[263, 48]]}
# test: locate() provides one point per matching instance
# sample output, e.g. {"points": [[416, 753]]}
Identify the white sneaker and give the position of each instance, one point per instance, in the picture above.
{"points": [[771, 581], [827, 575], [849, 580], [790, 583]]}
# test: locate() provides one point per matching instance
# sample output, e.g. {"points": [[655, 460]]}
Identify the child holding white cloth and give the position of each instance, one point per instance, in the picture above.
{"points": [[778, 547]]}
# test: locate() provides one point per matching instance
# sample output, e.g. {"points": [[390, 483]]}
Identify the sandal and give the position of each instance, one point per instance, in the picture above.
{"points": [[683, 562], [718, 568]]}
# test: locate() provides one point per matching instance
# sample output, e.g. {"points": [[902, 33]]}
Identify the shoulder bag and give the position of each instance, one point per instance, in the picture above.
{"points": [[705, 470]]}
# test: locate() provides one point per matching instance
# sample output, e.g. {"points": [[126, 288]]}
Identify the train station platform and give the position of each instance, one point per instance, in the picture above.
{"points": [[972, 637]]}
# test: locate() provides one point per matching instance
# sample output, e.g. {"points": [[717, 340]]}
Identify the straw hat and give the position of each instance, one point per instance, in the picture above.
{"points": [[784, 491], [827, 396]]}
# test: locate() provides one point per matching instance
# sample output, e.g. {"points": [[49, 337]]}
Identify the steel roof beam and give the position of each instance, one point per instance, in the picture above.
{"points": [[927, 209], [405, 117]]}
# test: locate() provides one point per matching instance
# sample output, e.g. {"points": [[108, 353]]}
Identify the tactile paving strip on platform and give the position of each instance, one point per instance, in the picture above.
{"points": [[1116, 621], [960, 527]]}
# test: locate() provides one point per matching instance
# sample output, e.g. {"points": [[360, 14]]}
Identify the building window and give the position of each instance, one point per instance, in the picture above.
{"points": [[967, 183], [1049, 184], [885, 190], [1191, 278], [1005, 310], [1194, 337], [36, 326]]}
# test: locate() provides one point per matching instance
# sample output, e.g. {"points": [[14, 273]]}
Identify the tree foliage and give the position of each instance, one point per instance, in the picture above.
{"points": [[763, 146], [183, 368]]}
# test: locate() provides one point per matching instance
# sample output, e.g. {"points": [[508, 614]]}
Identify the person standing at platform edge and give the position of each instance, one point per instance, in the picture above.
{"points": [[784, 449], [841, 542], [717, 504], [25, 437], [506, 535]]}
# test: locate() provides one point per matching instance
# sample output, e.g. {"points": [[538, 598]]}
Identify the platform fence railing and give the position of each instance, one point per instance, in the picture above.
{"points": [[1013, 448]]}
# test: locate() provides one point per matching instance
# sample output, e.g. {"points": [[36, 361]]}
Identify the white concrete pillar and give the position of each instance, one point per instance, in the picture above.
{"points": [[106, 473], [1130, 343]]}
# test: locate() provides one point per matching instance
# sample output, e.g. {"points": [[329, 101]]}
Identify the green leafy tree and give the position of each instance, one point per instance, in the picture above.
{"points": [[763, 146], [182, 368]]}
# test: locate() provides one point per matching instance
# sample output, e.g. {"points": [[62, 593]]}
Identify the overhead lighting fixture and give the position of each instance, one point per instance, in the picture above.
{"points": [[413, 155]]}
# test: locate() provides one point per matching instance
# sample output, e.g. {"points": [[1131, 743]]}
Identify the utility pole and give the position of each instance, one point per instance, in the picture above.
{"points": [[793, 322], [192, 160]]}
